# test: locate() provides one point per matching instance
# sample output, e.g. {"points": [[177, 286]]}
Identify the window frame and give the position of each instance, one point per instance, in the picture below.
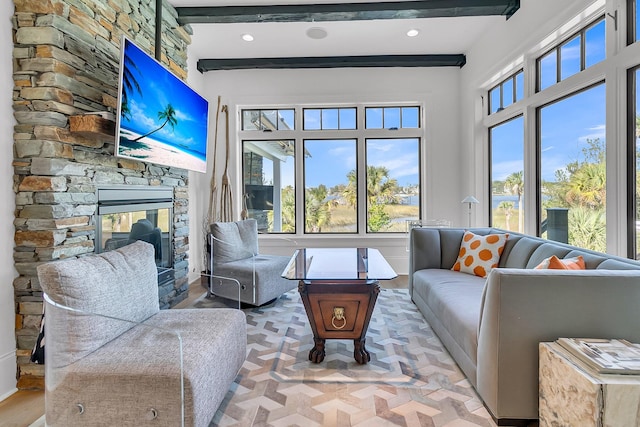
{"points": [[557, 48], [514, 89], [360, 134]]}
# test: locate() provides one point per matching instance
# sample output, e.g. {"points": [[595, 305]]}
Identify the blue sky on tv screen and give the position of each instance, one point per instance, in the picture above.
{"points": [[159, 88]]}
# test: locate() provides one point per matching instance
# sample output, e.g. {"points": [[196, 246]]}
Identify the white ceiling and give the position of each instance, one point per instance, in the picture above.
{"points": [[377, 37]]}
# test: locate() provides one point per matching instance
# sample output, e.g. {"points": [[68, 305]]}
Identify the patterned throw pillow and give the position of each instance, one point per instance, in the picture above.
{"points": [[479, 254], [555, 263]]}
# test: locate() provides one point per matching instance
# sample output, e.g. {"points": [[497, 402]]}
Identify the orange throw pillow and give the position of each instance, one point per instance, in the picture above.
{"points": [[479, 254], [555, 263]]}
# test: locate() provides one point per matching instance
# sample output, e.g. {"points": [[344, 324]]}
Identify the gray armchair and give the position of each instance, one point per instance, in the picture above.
{"points": [[234, 254], [113, 358]]}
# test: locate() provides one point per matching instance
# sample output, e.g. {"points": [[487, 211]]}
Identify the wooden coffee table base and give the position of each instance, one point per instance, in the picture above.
{"points": [[339, 309]]}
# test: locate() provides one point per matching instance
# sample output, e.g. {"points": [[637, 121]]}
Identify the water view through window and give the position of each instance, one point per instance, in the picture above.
{"points": [[507, 175]]}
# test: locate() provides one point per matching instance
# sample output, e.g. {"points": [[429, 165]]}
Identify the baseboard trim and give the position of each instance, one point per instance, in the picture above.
{"points": [[8, 394], [8, 367]]}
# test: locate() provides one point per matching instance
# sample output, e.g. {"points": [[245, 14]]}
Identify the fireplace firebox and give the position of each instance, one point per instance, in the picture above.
{"points": [[129, 213]]}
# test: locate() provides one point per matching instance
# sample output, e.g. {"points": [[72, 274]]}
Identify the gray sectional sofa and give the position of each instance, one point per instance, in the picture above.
{"points": [[492, 326]]}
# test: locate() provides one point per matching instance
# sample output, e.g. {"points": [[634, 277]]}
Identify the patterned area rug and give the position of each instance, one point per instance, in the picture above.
{"points": [[410, 381]]}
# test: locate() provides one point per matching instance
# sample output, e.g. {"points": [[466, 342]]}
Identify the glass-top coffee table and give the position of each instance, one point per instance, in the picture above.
{"points": [[339, 288]]}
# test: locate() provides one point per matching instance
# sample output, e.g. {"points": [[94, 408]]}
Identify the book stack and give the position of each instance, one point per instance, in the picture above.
{"points": [[605, 356]]}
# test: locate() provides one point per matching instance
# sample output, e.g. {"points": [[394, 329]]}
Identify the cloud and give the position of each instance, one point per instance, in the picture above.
{"points": [[501, 170]]}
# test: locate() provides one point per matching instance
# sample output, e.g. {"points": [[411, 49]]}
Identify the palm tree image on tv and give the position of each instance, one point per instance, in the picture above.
{"points": [[161, 120], [168, 115]]}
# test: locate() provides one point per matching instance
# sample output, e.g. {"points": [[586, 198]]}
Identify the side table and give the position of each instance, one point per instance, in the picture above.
{"points": [[572, 394]]}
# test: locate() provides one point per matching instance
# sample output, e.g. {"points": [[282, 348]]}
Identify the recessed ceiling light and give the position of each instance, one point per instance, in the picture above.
{"points": [[413, 32], [247, 37], [316, 33]]}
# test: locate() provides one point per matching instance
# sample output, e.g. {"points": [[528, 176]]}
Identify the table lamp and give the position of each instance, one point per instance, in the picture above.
{"points": [[470, 200]]}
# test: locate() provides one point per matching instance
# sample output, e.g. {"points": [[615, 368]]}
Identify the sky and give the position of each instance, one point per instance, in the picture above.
{"points": [[159, 87]]}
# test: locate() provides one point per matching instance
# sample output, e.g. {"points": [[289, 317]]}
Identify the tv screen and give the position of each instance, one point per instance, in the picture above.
{"points": [[160, 119]]}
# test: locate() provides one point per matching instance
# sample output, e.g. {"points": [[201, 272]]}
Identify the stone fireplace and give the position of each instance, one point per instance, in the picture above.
{"points": [[65, 57]]}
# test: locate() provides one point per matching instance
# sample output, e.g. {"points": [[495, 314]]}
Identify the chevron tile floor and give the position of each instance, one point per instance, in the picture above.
{"points": [[410, 381]]}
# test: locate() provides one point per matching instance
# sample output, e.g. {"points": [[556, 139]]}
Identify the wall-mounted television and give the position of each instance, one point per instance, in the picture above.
{"points": [[160, 119]]}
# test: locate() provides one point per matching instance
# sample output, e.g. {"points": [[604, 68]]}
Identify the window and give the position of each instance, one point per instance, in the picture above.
{"points": [[269, 184], [391, 117], [268, 120], [573, 169], [579, 52], [331, 192], [329, 118], [507, 175], [393, 169], [353, 170], [506, 92]]}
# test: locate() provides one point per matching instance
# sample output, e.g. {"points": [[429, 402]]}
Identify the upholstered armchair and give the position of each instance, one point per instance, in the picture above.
{"points": [[234, 254], [113, 358]]}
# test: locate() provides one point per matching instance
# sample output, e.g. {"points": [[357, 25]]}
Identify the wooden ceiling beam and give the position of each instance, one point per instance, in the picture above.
{"points": [[457, 60], [346, 11]]}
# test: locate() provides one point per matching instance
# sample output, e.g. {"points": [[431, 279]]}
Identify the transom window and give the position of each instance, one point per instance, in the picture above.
{"points": [[392, 118], [352, 176], [267, 120], [507, 92], [329, 118], [580, 51]]}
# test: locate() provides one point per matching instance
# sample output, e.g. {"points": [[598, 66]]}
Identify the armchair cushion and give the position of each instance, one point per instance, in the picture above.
{"points": [[123, 285], [234, 241]]}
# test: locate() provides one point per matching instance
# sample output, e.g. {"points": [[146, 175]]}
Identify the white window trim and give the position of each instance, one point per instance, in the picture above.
{"points": [[360, 135]]}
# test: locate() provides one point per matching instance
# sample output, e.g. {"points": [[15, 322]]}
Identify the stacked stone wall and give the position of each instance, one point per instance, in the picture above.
{"points": [[65, 61]]}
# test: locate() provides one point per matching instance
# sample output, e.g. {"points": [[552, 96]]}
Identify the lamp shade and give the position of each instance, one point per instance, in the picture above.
{"points": [[470, 199]]}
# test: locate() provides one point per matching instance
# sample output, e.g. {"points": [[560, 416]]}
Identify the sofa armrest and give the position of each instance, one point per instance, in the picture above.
{"points": [[141, 370], [523, 307]]}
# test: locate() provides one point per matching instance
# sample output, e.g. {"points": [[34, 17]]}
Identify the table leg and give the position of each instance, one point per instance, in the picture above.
{"points": [[316, 355], [360, 353]]}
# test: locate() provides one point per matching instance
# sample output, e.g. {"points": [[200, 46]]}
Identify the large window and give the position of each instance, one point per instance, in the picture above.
{"points": [[393, 171], [360, 168], [507, 175], [573, 169], [329, 175], [269, 184]]}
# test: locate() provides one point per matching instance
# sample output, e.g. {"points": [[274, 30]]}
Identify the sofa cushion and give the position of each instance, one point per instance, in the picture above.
{"points": [[555, 263], [120, 284], [518, 256], [233, 241], [455, 299], [546, 250], [479, 254]]}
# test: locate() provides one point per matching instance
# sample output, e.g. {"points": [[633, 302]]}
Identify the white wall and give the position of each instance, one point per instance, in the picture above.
{"points": [[438, 88], [7, 272], [197, 202]]}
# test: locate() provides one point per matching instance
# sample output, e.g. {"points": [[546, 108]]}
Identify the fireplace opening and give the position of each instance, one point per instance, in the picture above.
{"points": [[129, 213]]}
